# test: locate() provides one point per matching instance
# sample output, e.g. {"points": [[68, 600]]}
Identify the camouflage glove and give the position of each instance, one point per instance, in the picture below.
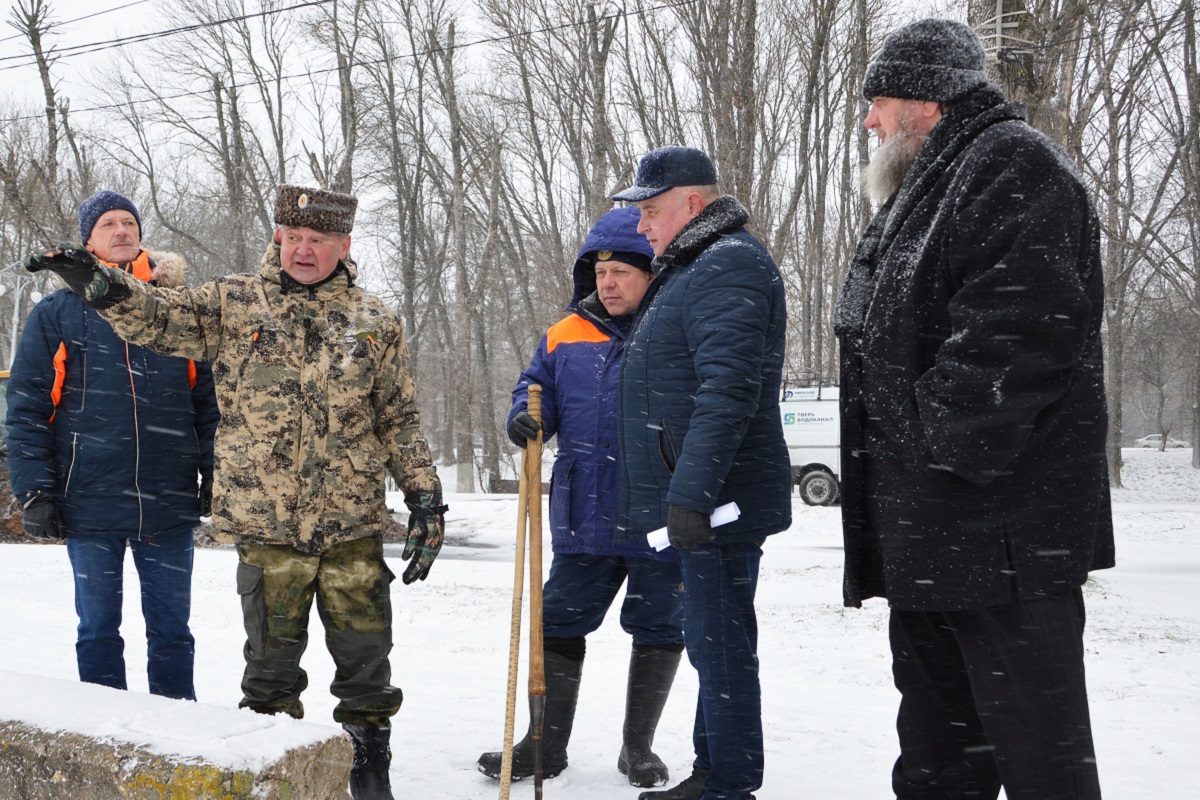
{"points": [[40, 517], [86, 276], [522, 428], [206, 495], [688, 529], [426, 529]]}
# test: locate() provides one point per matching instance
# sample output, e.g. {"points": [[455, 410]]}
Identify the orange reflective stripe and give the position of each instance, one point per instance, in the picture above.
{"points": [[60, 377], [573, 329], [191, 374]]}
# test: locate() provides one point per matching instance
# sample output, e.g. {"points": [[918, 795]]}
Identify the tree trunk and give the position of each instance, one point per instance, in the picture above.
{"points": [[464, 385]]}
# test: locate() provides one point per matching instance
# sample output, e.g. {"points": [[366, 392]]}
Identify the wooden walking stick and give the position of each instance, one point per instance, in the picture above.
{"points": [[514, 641], [537, 656]]}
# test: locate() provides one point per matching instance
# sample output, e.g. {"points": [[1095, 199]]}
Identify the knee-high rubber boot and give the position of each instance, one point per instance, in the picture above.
{"points": [[651, 672], [562, 692], [372, 758]]}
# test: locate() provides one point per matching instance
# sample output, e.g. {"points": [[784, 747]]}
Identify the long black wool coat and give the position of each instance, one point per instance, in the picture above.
{"points": [[973, 407]]}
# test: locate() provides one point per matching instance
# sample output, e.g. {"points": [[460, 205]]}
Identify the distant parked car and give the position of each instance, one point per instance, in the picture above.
{"points": [[1154, 440]]}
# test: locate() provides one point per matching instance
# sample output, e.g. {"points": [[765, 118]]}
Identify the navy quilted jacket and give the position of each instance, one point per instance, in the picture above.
{"points": [[700, 423]]}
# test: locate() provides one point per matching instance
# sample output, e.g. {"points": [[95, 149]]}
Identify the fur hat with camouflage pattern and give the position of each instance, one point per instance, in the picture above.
{"points": [[319, 209]]}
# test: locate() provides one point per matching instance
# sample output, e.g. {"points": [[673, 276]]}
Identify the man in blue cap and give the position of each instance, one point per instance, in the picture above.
{"points": [[578, 363], [700, 429]]}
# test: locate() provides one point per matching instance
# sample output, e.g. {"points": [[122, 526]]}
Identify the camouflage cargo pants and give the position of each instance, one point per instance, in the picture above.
{"points": [[351, 583]]}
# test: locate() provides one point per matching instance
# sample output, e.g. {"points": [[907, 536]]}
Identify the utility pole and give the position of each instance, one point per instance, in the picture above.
{"points": [[1005, 26], [1023, 55]]}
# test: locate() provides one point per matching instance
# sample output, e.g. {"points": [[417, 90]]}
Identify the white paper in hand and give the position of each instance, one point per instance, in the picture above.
{"points": [[722, 515]]}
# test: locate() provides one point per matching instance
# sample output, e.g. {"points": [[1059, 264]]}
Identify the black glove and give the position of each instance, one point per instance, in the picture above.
{"points": [[86, 276], [687, 529], [426, 529], [41, 518], [522, 428], [206, 495]]}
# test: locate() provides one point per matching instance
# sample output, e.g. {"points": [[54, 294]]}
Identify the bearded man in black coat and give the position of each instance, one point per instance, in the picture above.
{"points": [[973, 426]]}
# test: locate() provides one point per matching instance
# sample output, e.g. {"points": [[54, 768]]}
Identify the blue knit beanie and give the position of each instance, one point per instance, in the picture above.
{"points": [[95, 206]]}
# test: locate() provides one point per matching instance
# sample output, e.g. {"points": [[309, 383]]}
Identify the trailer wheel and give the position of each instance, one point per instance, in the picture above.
{"points": [[818, 488]]}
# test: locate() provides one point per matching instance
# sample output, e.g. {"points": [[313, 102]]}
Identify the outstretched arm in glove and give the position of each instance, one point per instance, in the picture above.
{"points": [[86, 276]]}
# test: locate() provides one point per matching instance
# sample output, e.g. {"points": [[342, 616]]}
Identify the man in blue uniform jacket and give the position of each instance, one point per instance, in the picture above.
{"points": [[577, 364]]}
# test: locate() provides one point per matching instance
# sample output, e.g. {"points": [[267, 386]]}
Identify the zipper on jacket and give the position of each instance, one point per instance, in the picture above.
{"points": [[137, 442], [71, 466]]}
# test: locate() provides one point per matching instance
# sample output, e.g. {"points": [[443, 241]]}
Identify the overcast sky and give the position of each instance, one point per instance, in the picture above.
{"points": [[88, 21]]}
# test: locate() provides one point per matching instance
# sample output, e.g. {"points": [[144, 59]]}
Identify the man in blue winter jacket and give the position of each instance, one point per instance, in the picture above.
{"points": [[111, 448], [700, 429], [577, 364]]}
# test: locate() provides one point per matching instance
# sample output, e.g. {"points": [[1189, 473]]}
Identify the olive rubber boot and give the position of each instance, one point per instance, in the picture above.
{"points": [[651, 672], [562, 690], [692, 788], [372, 758]]}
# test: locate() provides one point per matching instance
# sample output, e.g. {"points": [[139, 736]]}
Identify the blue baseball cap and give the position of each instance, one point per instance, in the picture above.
{"points": [[668, 167]]}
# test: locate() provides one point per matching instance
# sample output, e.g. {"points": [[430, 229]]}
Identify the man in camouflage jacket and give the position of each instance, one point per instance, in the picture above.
{"points": [[316, 401]]}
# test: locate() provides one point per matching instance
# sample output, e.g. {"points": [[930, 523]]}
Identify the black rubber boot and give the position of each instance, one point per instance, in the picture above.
{"points": [[562, 691], [651, 672], [692, 788], [372, 757]]}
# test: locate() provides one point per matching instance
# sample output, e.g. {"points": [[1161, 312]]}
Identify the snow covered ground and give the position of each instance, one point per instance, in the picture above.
{"points": [[829, 704]]}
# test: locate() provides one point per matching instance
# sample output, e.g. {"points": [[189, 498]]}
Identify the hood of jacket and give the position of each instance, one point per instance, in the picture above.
{"points": [[169, 268], [616, 231]]}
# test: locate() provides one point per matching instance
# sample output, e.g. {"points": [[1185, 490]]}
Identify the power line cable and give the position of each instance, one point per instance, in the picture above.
{"points": [[373, 62], [81, 19], [95, 47]]}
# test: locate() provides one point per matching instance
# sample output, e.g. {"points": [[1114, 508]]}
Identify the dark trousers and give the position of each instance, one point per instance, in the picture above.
{"points": [[352, 585], [164, 567], [582, 587], [721, 632], [992, 697]]}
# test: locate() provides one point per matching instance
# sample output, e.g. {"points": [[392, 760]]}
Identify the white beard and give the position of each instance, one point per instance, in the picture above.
{"points": [[882, 177]]}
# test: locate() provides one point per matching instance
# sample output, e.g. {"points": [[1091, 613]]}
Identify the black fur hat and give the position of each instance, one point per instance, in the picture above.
{"points": [[934, 59]]}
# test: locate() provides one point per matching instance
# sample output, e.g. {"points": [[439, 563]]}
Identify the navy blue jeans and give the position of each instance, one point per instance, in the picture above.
{"points": [[164, 566], [582, 587], [721, 632]]}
